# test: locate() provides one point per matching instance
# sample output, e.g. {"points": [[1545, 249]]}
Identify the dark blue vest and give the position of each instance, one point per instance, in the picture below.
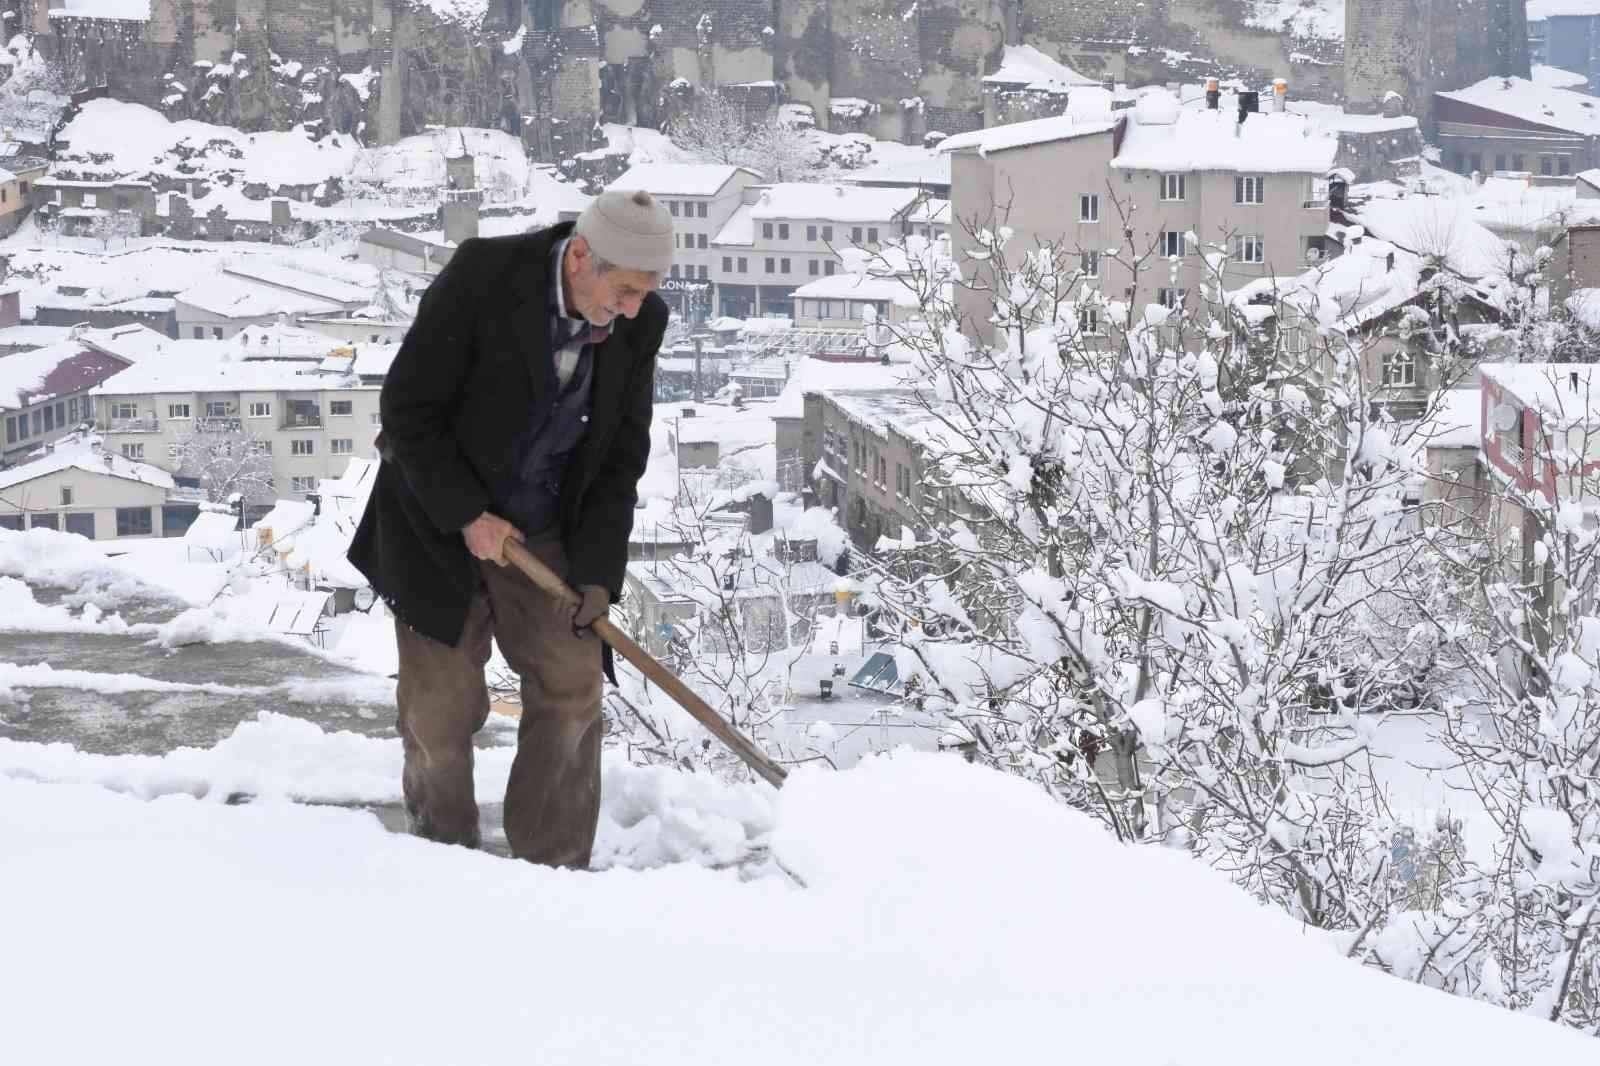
{"points": [[555, 432]]}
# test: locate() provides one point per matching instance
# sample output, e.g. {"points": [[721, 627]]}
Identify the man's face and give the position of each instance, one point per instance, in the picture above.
{"points": [[600, 296]]}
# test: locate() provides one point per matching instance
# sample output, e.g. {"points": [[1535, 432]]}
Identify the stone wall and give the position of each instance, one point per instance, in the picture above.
{"points": [[549, 70]]}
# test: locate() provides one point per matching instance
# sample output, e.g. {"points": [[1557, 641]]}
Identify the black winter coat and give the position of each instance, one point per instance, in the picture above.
{"points": [[455, 404]]}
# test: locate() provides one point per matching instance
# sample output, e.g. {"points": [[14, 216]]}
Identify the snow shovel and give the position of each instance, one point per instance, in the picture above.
{"points": [[547, 580]]}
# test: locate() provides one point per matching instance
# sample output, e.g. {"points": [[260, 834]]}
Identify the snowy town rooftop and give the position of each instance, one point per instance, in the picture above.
{"points": [[126, 10], [858, 287], [1541, 105], [679, 179], [1555, 78], [84, 455], [1164, 136], [55, 370], [283, 276], [930, 167], [237, 297], [1024, 65], [1444, 228], [1568, 392], [216, 366], [1025, 134], [833, 203]]}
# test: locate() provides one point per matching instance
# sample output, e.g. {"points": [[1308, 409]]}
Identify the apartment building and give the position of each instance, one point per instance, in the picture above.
{"points": [[46, 393], [311, 422], [873, 305], [701, 198], [1252, 185], [99, 495], [1516, 125], [790, 234]]}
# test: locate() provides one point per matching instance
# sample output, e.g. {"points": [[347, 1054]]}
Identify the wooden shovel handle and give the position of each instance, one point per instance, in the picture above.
{"points": [[550, 583]]}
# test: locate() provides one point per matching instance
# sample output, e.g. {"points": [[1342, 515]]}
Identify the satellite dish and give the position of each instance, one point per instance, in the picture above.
{"points": [[1505, 417]]}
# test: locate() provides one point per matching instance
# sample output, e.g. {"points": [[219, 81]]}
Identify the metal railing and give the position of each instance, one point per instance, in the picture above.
{"points": [[128, 425], [301, 420]]}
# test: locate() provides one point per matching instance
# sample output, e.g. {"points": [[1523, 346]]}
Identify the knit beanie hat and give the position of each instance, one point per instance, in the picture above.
{"points": [[628, 229]]}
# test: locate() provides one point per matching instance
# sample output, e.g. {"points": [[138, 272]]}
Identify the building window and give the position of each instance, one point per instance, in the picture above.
{"points": [[1172, 298], [342, 446], [174, 451], [744, 265], [1499, 161], [700, 241], [783, 231], [1249, 190], [674, 269], [302, 484], [727, 264], [827, 234], [258, 409], [134, 522], [72, 409], [133, 451], [1172, 186], [828, 267], [772, 265], [1171, 244], [261, 447], [672, 205], [11, 430], [1564, 165], [1249, 249], [377, 418], [199, 333], [91, 200], [1516, 160], [784, 263], [702, 271], [855, 234], [49, 418], [1400, 367], [216, 333], [218, 409], [766, 230], [1317, 192], [125, 411], [302, 446], [177, 410], [811, 233], [38, 421], [66, 495], [1089, 264], [1089, 208], [872, 234], [372, 338], [700, 210], [341, 407], [1089, 319], [813, 268]]}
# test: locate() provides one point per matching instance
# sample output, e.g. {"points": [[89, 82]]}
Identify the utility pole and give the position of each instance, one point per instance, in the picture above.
{"points": [[699, 340]]}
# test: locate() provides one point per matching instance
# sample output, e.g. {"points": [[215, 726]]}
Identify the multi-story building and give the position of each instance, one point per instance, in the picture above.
{"points": [[1566, 34], [311, 422], [701, 199], [789, 234], [75, 489], [1179, 183], [1515, 125], [46, 393]]}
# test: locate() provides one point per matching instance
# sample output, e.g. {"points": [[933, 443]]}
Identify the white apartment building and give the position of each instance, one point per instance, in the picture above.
{"points": [[98, 495], [701, 198], [789, 234], [310, 421]]}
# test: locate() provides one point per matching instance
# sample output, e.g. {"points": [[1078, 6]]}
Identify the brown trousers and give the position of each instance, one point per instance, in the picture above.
{"points": [[553, 795]]}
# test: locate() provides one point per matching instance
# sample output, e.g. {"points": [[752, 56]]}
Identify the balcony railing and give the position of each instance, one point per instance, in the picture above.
{"points": [[218, 423], [129, 425], [301, 420]]}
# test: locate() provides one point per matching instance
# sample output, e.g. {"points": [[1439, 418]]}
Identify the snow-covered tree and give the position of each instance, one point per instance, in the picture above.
{"points": [[1156, 571], [720, 127], [227, 458]]}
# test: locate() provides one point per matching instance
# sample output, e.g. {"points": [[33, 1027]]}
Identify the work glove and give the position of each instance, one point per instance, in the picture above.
{"points": [[596, 600]]}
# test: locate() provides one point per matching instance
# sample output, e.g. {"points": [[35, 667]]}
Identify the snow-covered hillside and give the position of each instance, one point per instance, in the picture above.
{"points": [[919, 910], [1323, 19]]}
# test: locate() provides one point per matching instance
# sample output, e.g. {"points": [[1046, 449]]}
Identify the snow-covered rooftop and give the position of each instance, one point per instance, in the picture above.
{"points": [[132, 342], [281, 275], [238, 297], [126, 10], [1569, 392], [917, 167], [54, 370], [1186, 139], [830, 203], [206, 366], [82, 455], [1556, 78], [857, 287], [740, 229], [1542, 105], [1544, 9], [283, 341], [1023, 134], [1023, 64], [679, 179], [1455, 419], [1441, 226]]}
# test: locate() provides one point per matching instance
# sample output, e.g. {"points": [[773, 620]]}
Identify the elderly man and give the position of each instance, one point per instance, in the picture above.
{"points": [[518, 408]]}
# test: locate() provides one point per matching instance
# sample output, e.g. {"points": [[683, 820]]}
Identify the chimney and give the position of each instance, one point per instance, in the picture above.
{"points": [[1280, 95], [1213, 94], [760, 513]]}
